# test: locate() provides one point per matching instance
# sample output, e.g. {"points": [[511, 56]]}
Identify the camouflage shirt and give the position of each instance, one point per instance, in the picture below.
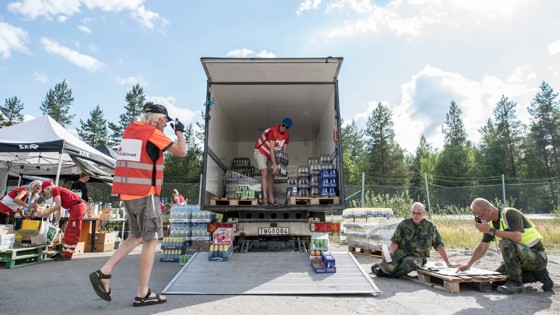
{"points": [[416, 240]]}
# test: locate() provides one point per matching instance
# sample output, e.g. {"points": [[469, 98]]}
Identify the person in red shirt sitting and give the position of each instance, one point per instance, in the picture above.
{"points": [[17, 199]]}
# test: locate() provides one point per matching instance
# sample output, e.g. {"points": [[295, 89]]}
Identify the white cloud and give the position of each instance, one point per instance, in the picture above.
{"points": [[41, 77], [411, 17], [64, 9], [130, 81], [146, 17], [426, 98], [180, 112], [83, 61], [46, 8], [11, 39], [554, 47], [240, 53], [245, 52], [307, 5], [265, 54], [84, 29]]}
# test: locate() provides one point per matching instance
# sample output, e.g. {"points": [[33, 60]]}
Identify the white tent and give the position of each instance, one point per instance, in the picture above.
{"points": [[43, 147]]}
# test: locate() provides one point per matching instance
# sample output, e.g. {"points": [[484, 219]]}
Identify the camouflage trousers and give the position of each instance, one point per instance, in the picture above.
{"points": [[519, 258], [401, 264]]}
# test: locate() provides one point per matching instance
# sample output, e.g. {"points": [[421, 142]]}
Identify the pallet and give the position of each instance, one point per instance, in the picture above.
{"points": [[365, 251], [334, 200], [214, 201], [18, 257], [452, 284]]}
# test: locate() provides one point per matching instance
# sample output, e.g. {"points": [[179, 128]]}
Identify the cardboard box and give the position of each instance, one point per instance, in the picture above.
{"points": [[7, 238], [100, 247], [104, 238], [30, 225], [6, 229], [6, 246], [86, 231], [201, 246], [80, 247]]}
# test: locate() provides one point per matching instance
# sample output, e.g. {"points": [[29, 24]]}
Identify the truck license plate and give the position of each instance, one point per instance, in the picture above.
{"points": [[274, 231]]}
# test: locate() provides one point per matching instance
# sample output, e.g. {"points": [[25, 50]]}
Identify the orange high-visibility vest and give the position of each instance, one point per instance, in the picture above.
{"points": [[135, 172]]}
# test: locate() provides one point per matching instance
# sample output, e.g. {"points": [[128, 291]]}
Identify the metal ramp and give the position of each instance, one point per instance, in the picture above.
{"points": [[279, 273]]}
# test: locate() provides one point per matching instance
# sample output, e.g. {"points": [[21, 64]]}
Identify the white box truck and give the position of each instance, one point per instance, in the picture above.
{"points": [[245, 96]]}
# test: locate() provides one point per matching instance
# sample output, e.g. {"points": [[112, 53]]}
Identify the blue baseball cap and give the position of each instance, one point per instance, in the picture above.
{"points": [[287, 121]]}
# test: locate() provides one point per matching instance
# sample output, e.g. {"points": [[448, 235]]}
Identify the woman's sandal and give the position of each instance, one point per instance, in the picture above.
{"points": [[95, 279], [148, 300], [265, 202], [274, 202]]}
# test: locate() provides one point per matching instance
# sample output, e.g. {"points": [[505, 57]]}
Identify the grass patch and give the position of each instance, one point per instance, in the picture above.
{"points": [[457, 233]]}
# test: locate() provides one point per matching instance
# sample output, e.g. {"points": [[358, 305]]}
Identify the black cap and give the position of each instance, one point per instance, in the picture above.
{"points": [[158, 109]]}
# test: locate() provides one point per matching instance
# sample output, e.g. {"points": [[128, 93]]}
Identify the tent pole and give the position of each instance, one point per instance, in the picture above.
{"points": [[58, 169]]}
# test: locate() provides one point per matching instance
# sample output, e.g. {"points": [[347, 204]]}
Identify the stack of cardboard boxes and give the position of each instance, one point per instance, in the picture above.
{"points": [[7, 237], [104, 241]]}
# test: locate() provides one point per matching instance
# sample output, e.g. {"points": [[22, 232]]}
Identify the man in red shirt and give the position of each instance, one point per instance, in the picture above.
{"points": [[64, 198], [273, 139]]}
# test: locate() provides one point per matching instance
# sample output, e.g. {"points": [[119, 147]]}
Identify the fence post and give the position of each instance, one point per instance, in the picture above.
{"points": [[200, 192], [504, 190], [363, 188], [428, 196]]}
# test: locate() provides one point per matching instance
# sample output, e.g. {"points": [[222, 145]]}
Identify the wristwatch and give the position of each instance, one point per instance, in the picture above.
{"points": [[492, 232]]}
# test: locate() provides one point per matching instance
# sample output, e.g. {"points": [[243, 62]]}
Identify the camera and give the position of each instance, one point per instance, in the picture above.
{"points": [[478, 219]]}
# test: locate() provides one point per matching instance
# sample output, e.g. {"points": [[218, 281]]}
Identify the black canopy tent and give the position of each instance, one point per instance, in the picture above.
{"points": [[43, 147]]}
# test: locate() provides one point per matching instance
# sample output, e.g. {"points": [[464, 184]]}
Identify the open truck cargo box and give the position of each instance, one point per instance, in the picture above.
{"points": [[245, 96]]}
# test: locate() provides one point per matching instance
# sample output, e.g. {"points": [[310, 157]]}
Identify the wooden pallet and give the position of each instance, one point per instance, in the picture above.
{"points": [[214, 201], [334, 200], [452, 284], [24, 256], [365, 251]]}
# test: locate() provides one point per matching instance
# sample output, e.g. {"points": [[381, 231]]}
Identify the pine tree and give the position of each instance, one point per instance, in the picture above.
{"points": [[545, 127], [386, 163], [135, 100], [10, 113], [57, 104], [94, 130], [455, 132], [352, 152], [510, 131], [423, 150], [188, 168], [456, 160]]}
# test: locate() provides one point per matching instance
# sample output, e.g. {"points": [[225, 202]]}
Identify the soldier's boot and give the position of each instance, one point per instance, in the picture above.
{"points": [[543, 277], [377, 271], [529, 277], [373, 267], [511, 287]]}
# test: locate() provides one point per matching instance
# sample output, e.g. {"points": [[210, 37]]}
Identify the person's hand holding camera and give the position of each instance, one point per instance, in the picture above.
{"points": [[178, 126]]}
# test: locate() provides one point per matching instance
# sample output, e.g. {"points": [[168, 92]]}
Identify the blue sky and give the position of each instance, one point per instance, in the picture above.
{"points": [[416, 56]]}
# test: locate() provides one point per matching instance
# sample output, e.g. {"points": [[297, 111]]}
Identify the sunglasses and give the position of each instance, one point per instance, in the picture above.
{"points": [[416, 213], [287, 127]]}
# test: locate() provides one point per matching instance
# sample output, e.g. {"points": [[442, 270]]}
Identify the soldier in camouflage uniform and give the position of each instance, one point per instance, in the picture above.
{"points": [[520, 243], [410, 245]]}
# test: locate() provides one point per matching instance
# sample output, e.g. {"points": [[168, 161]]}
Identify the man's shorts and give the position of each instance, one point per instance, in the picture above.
{"points": [[262, 161], [144, 217]]}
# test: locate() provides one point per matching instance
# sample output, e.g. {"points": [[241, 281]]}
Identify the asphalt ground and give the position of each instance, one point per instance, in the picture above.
{"points": [[64, 288]]}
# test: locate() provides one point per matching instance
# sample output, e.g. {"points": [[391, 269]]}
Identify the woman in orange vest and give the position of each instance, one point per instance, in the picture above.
{"points": [[138, 178]]}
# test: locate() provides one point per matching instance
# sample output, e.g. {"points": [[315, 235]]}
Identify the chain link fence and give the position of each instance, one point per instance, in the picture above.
{"points": [[540, 197]]}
